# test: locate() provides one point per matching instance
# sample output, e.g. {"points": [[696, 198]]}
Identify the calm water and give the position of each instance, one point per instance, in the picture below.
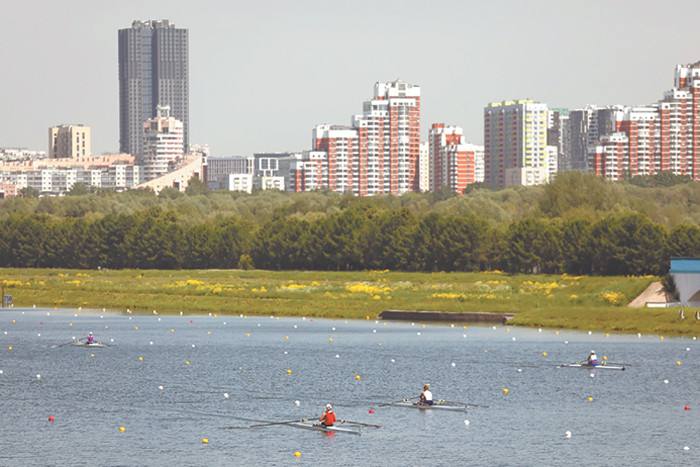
{"points": [[634, 419]]}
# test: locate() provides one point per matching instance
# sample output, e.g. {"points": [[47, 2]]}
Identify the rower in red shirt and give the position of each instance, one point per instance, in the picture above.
{"points": [[328, 417]]}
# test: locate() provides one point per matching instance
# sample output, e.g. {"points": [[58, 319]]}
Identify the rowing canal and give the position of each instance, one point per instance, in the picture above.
{"points": [[635, 417]]}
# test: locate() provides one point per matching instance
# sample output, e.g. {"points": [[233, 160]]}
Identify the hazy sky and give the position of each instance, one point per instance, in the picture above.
{"points": [[263, 73]]}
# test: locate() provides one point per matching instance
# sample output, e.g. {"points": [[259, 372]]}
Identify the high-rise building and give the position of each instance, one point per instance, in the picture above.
{"points": [[162, 144], [515, 143], [587, 127], [559, 136], [378, 154], [424, 167], [69, 142], [453, 162], [153, 71]]}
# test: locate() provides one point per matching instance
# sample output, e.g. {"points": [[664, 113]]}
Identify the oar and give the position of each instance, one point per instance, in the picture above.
{"points": [[265, 424], [395, 402], [360, 424], [463, 403], [67, 343]]}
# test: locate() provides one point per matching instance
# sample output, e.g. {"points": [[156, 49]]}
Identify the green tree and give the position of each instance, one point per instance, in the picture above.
{"points": [[477, 186], [684, 241], [29, 192], [195, 186]]}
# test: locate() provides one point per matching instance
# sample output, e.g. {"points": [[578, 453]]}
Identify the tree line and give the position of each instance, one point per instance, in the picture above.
{"points": [[361, 237]]}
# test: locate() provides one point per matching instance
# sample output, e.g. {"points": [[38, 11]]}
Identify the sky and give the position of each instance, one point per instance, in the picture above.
{"points": [[263, 73]]}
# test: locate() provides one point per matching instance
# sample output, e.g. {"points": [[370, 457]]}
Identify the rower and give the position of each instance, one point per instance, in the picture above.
{"points": [[592, 359], [90, 339], [328, 417], [426, 397]]}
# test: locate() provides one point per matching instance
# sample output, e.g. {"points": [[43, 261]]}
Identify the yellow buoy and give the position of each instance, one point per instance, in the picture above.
{"points": [[187, 363], [424, 325], [367, 318], [544, 354], [604, 357], [92, 354], [205, 440], [140, 359], [678, 363], [289, 372], [380, 343], [330, 340], [556, 332], [661, 337], [505, 391], [208, 332], [71, 324], [507, 330], [106, 327], [172, 330], [136, 328], [607, 335], [590, 399], [240, 367], [9, 348], [297, 454], [357, 377], [465, 327], [485, 350], [384, 324], [286, 337], [121, 428]]}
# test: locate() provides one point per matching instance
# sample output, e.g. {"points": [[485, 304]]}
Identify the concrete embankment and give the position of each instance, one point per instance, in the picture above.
{"points": [[445, 316]]}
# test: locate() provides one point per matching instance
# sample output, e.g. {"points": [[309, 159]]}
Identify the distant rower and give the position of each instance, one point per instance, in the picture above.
{"points": [[328, 417], [426, 397], [90, 339], [592, 359]]}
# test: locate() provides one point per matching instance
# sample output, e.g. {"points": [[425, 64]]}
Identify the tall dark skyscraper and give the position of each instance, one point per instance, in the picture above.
{"points": [[153, 71]]}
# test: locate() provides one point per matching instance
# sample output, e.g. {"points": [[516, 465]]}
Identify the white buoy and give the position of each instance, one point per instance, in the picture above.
{"points": [[419, 333], [39, 335], [374, 330], [639, 334], [589, 333], [76, 315], [0, 372], [568, 434], [33, 306], [464, 335], [38, 376], [413, 324], [519, 370], [452, 325], [494, 328], [514, 338], [694, 338], [392, 360], [226, 395], [151, 342], [158, 319], [224, 323], [592, 375], [47, 314], [285, 353], [297, 403], [466, 422], [111, 340], [129, 317], [303, 318], [102, 317], [376, 322], [160, 388], [154, 312], [295, 326], [539, 330], [193, 346], [337, 356], [334, 329], [566, 342], [453, 364], [688, 349], [686, 448], [665, 381]]}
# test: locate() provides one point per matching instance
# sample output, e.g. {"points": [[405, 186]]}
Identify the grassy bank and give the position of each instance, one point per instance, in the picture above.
{"points": [[584, 303]]}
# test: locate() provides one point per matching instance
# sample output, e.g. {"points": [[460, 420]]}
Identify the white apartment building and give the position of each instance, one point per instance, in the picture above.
{"points": [[69, 142], [163, 144], [424, 167]]}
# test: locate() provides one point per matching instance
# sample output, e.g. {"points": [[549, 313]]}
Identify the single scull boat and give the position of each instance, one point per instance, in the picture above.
{"points": [[308, 425], [436, 405], [592, 367]]}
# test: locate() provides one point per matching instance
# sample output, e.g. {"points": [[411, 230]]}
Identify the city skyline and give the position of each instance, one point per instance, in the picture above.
{"points": [[291, 66]]}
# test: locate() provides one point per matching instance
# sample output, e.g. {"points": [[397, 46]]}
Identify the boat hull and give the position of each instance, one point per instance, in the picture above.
{"points": [[591, 367], [327, 429], [435, 406]]}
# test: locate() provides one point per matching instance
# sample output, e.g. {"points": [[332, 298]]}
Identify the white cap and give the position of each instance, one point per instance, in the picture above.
{"points": [[328, 406], [592, 351]]}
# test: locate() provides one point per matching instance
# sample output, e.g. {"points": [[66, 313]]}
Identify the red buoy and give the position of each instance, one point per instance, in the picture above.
{"points": [[42, 322], [687, 407], [371, 411], [191, 321], [51, 419]]}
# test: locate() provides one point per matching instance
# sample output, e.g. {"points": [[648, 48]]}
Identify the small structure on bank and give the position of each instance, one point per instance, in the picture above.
{"points": [[686, 273]]}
